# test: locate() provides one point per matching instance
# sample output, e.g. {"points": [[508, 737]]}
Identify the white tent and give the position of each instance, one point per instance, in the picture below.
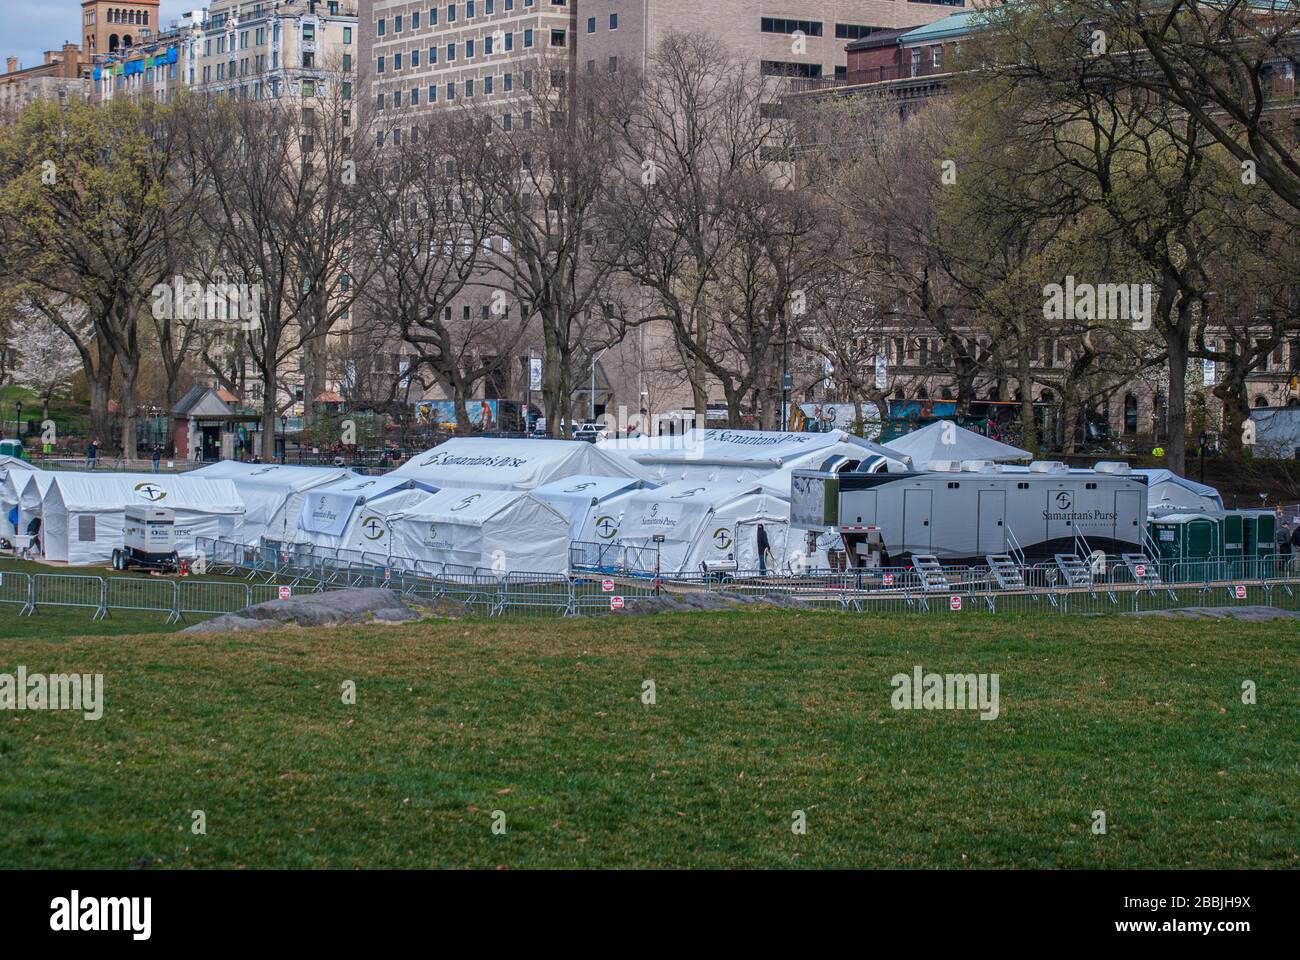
{"points": [[330, 509], [592, 504], [31, 495], [1167, 493], [83, 511], [713, 526], [489, 463], [14, 475], [273, 493], [369, 536], [724, 455], [496, 530], [945, 440]]}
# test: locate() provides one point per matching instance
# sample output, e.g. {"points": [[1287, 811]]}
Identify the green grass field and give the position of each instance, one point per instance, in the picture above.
{"points": [[758, 715]]}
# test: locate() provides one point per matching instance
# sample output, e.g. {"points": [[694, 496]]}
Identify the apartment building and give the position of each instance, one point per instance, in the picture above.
{"points": [[61, 76]]}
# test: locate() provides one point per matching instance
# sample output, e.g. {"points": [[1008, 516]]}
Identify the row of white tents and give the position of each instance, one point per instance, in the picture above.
{"points": [[503, 504]]}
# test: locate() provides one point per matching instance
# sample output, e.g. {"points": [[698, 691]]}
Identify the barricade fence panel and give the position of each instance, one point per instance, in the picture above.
{"points": [[273, 569]]}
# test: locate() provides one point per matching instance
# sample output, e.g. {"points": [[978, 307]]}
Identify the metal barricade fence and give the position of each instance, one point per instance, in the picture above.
{"points": [[211, 597], [16, 588], [68, 590], [141, 593]]}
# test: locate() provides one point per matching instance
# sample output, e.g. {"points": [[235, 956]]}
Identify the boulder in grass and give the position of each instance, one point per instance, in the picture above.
{"points": [[330, 608]]}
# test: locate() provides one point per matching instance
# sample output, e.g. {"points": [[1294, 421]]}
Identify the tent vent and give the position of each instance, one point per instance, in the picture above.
{"points": [[86, 528], [980, 466]]}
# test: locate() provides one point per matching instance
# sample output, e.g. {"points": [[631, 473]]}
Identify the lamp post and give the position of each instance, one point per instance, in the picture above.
{"points": [[284, 438], [18, 419]]}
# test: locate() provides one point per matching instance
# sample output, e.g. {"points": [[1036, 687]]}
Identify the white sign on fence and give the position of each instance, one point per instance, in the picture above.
{"points": [[616, 603], [954, 603], [286, 593], [1241, 591], [607, 585]]}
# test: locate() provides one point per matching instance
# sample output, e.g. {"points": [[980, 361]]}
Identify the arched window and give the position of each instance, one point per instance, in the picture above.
{"points": [[1045, 397], [1261, 402], [946, 394], [923, 394], [126, 40], [1130, 413], [113, 42]]}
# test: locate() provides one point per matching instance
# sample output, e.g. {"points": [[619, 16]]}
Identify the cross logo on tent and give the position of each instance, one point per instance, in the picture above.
{"points": [[150, 491], [722, 537], [606, 528], [373, 527]]}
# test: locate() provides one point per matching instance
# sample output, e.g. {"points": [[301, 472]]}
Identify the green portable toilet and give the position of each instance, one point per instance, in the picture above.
{"points": [[1191, 539], [1233, 536]]}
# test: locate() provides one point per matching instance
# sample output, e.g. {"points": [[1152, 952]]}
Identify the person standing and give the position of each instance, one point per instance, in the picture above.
{"points": [[763, 548], [157, 457], [92, 454]]}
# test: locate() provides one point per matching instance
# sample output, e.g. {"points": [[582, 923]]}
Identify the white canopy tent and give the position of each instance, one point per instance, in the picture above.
{"points": [[369, 536], [590, 503], [945, 440], [31, 495], [725, 455], [273, 493], [707, 526], [328, 511], [1168, 493], [489, 463], [83, 512], [14, 475], [497, 530]]}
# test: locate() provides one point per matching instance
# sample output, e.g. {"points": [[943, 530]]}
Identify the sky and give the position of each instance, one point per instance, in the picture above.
{"points": [[34, 26]]}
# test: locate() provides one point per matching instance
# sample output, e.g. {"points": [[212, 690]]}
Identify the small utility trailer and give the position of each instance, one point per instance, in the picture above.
{"points": [[148, 540]]}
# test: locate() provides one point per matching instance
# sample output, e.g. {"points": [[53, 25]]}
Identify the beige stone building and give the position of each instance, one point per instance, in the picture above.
{"points": [[63, 75]]}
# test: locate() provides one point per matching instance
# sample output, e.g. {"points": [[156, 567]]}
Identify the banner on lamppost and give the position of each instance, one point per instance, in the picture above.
{"points": [[1207, 373], [534, 373], [882, 372]]}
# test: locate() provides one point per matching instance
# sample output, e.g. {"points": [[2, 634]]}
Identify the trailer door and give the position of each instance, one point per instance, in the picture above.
{"points": [[992, 522], [1128, 518], [916, 521]]}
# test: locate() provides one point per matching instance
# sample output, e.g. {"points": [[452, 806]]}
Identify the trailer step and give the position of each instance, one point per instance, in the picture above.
{"points": [[930, 572], [1005, 571], [1075, 571], [1143, 568]]}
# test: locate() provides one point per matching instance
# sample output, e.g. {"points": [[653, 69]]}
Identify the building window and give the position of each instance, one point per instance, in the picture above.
{"points": [[591, 24], [783, 68], [809, 28], [380, 27], [853, 31], [613, 21]]}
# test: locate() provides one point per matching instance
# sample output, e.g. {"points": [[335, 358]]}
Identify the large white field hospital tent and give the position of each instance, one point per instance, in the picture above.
{"points": [[273, 493], [330, 510], [944, 440], [724, 455], [489, 463], [496, 530], [708, 526], [1168, 493], [83, 512]]}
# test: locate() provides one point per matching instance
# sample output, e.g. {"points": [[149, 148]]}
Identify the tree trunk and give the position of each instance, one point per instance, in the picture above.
{"points": [[130, 374], [1176, 410], [270, 386]]}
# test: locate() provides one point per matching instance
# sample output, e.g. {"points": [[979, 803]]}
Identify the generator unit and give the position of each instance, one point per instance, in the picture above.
{"points": [[148, 539]]}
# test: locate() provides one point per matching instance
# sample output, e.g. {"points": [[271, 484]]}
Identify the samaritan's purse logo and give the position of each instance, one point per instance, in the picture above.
{"points": [[606, 527], [1064, 500], [722, 538], [148, 490], [466, 502], [373, 528]]}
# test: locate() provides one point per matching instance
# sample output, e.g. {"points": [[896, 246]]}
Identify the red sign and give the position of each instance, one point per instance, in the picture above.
{"points": [[1241, 592], [954, 602], [1141, 570], [286, 593], [887, 579], [388, 573], [616, 603], [607, 585]]}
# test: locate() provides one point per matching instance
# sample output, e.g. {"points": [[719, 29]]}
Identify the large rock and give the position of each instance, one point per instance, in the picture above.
{"points": [[705, 600], [329, 608], [1251, 613]]}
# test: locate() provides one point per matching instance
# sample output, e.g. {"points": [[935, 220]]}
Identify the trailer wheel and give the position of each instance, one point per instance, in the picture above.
{"points": [[117, 560]]}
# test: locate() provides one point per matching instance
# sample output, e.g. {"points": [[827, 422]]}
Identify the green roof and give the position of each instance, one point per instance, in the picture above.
{"points": [[955, 25]]}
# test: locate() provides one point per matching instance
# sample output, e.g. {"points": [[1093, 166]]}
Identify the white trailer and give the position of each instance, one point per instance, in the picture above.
{"points": [[965, 512]]}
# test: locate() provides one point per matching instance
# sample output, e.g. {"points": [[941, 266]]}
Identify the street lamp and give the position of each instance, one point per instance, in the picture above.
{"points": [[18, 419], [284, 438]]}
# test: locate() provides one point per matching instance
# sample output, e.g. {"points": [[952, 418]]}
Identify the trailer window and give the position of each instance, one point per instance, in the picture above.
{"points": [[86, 528]]}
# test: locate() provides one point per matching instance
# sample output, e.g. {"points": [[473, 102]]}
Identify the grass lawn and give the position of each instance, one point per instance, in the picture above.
{"points": [[758, 714]]}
